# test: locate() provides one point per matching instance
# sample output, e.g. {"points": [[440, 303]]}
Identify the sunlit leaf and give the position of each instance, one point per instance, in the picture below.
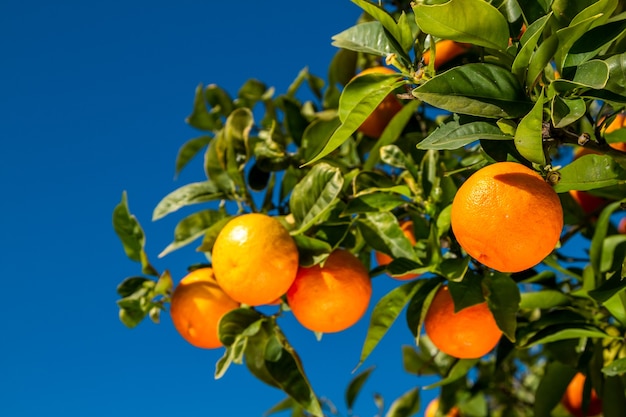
{"points": [[544, 299], [193, 227], [194, 193], [312, 197], [367, 37], [464, 21], [453, 135], [400, 33], [529, 134], [590, 172], [189, 150]]}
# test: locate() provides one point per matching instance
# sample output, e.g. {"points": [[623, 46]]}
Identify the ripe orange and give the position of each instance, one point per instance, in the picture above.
{"points": [[376, 122], [468, 334], [573, 398], [507, 217], [384, 259], [621, 226], [332, 297], [197, 305], [433, 407], [255, 259], [445, 51]]}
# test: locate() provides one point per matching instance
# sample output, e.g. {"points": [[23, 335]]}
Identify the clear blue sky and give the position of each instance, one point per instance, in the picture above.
{"points": [[93, 101]]}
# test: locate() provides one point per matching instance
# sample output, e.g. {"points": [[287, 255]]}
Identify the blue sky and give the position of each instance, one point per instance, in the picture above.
{"points": [[94, 97]]}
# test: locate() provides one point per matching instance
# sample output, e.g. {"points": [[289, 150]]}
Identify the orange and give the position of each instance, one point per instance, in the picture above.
{"points": [[467, 334], [332, 297], [197, 305], [384, 259], [433, 407], [573, 398], [378, 120], [255, 259], [445, 51], [507, 217], [621, 226]]}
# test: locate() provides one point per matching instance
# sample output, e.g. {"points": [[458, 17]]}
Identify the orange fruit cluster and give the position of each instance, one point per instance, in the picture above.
{"points": [[378, 120], [507, 217], [573, 398], [467, 334], [255, 262]]}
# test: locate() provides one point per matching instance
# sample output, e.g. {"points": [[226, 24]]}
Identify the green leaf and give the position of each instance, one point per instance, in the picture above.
{"points": [[255, 353], [239, 322], [368, 37], [485, 90], [383, 233], [529, 43], [460, 368], [615, 368], [590, 172], [194, 193], [597, 241], [540, 59], [316, 135], [359, 99], [565, 111], [529, 134], [617, 70], [200, 117], [406, 405], [285, 367], [418, 361], [355, 385], [590, 44], [189, 150], [552, 387], [503, 298], [564, 331], [613, 398], [193, 227], [454, 135], [401, 33], [133, 284], [216, 172], [312, 197], [219, 99], [464, 21], [131, 234], [543, 299], [613, 253], [374, 202], [385, 313], [570, 34]]}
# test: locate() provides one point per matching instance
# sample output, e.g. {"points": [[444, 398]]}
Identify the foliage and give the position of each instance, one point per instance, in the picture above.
{"points": [[530, 96]]}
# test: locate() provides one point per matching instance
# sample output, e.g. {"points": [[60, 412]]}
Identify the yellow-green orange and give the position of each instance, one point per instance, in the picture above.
{"points": [[255, 259], [507, 217]]}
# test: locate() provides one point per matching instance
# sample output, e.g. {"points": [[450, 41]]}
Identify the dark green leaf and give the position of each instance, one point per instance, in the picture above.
{"points": [[613, 398], [485, 90], [599, 235], [460, 368], [406, 405], [132, 284], [401, 33], [464, 21], [551, 388], [383, 233], [316, 135], [453, 135], [593, 41], [368, 37], [374, 202], [503, 298], [355, 385], [238, 322], [617, 73], [566, 111]]}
